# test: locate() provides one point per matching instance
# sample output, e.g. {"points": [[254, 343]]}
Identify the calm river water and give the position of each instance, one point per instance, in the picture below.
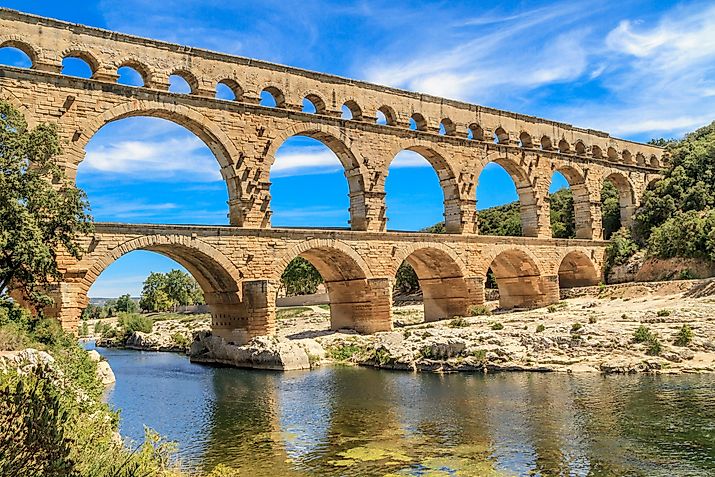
{"points": [[354, 421]]}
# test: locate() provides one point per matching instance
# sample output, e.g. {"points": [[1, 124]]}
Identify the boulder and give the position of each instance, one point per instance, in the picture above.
{"points": [[105, 373], [25, 360]]}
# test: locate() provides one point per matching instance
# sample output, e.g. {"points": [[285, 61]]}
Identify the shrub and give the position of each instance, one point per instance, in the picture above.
{"points": [[642, 334], [13, 338], [345, 351], [686, 275], [591, 320], [575, 327], [479, 310], [664, 313], [684, 336], [49, 331], [620, 249], [540, 328], [480, 354], [133, 322], [497, 326], [458, 322], [654, 348], [180, 340], [552, 308]]}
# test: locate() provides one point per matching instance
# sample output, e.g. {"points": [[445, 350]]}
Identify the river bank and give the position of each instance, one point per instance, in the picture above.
{"points": [[622, 329]]}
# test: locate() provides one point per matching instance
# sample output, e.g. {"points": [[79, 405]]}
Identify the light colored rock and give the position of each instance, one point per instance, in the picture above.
{"points": [[24, 360], [94, 355], [105, 373]]}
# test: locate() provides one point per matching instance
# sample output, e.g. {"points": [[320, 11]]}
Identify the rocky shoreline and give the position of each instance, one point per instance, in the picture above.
{"points": [[585, 334]]}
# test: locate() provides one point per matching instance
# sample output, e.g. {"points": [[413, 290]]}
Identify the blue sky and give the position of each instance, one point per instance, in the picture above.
{"points": [[637, 69]]}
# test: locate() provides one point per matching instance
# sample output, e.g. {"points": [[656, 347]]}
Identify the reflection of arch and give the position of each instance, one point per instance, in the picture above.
{"points": [[14, 41], [518, 278], [577, 270], [525, 190], [445, 174], [441, 278], [581, 200]]}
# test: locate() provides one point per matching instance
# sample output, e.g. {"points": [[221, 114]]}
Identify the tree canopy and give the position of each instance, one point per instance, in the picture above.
{"points": [[164, 291], [41, 211]]}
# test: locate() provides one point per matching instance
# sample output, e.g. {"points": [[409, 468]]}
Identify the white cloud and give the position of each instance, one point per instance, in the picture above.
{"points": [[409, 159], [306, 160]]}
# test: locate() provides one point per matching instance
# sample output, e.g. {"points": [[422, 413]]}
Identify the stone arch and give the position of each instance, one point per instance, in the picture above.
{"points": [[334, 139], [546, 143], [16, 41], [596, 152], [354, 108], [445, 173], [525, 140], [357, 300], [476, 131], [441, 275], [519, 278], [564, 146], [581, 199], [187, 76], [626, 195], [389, 113], [527, 196], [501, 136], [220, 145], [277, 95], [612, 154], [576, 269], [142, 69], [419, 121], [654, 162], [580, 147], [627, 156], [87, 57], [450, 129], [317, 102], [234, 86]]}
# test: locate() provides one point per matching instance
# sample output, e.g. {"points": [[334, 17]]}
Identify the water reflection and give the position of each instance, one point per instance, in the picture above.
{"points": [[350, 421]]}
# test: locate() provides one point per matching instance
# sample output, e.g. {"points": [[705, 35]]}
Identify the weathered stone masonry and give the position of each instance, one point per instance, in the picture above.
{"points": [[358, 266]]}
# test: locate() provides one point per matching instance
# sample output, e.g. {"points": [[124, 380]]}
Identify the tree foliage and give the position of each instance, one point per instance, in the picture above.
{"points": [[41, 211], [164, 291], [125, 304], [300, 278]]}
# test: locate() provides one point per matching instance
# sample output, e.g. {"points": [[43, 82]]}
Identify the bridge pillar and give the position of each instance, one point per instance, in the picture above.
{"points": [[364, 305], [254, 316], [70, 299], [367, 211], [528, 291]]}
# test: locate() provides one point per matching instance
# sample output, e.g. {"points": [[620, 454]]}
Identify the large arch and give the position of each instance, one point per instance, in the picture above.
{"points": [[577, 270], [356, 301], [441, 275], [528, 206], [445, 174], [519, 279], [581, 199], [332, 138], [215, 139], [626, 195]]}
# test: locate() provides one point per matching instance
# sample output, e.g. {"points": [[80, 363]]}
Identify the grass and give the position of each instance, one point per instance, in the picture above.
{"points": [[576, 327], [540, 328], [644, 335], [479, 310], [458, 322], [664, 313], [345, 351], [294, 312], [496, 326]]}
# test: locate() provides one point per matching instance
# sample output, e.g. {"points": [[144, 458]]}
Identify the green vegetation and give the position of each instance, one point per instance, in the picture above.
{"points": [[664, 312], [345, 351], [458, 322], [479, 310], [166, 291], [293, 312], [642, 334], [300, 278], [129, 323], [684, 336], [540, 328], [496, 326], [125, 304], [576, 327], [621, 248]]}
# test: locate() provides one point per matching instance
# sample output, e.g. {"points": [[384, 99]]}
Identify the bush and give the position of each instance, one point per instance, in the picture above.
{"points": [[345, 352], [180, 340], [575, 327], [458, 322], [540, 328], [132, 322], [479, 310], [620, 249], [684, 336], [591, 320], [496, 326], [654, 348], [664, 312], [642, 334]]}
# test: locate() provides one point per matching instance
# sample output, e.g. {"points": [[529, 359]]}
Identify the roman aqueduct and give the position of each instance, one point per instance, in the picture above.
{"points": [[239, 266]]}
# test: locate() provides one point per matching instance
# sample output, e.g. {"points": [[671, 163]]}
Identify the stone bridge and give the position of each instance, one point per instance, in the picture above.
{"points": [[238, 266]]}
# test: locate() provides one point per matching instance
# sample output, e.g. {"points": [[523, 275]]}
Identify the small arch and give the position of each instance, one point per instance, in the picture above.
{"points": [[23, 55], [132, 75], [625, 198], [627, 156], [654, 162], [577, 270], [447, 127], [316, 104], [272, 97], [580, 148], [564, 146], [525, 140], [79, 64], [546, 143], [519, 279], [612, 154], [386, 116], [183, 82], [418, 122], [640, 159], [501, 136], [596, 152], [475, 132], [351, 110], [229, 90]]}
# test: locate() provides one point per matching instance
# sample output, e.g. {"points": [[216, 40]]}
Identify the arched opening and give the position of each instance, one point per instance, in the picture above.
{"points": [[640, 159], [272, 97], [183, 82], [447, 127], [317, 165], [78, 65], [229, 90], [596, 152], [519, 280], [617, 203], [313, 104], [439, 278], [351, 110], [654, 162], [475, 132], [577, 270], [564, 146], [525, 140], [580, 148], [131, 76], [569, 204], [417, 178], [501, 136], [506, 202], [627, 156], [350, 293], [418, 122], [16, 54], [546, 144], [612, 154], [386, 116], [155, 170]]}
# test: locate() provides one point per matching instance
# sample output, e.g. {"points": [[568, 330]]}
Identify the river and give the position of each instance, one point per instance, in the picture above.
{"points": [[356, 421]]}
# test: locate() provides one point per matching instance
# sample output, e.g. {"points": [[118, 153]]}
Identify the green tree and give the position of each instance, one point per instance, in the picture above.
{"points": [[41, 211], [153, 295], [563, 223], [300, 277], [501, 220], [406, 280], [610, 209], [181, 288], [125, 304]]}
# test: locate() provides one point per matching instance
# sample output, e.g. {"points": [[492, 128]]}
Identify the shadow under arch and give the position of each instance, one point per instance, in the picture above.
{"points": [[581, 199], [355, 298], [528, 208], [215, 139], [577, 270], [441, 275], [334, 140], [519, 279], [215, 274], [445, 174]]}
